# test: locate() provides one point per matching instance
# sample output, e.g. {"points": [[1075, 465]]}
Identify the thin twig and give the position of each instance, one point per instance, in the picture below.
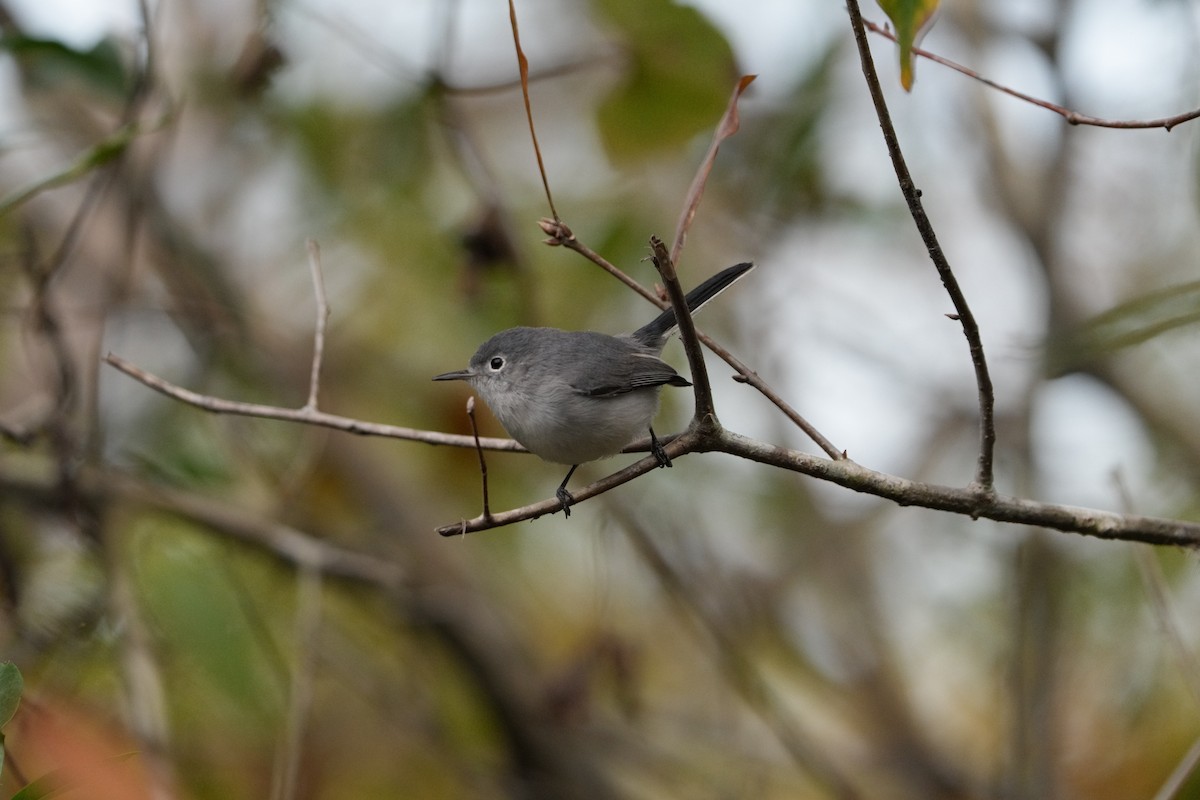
{"points": [[1073, 117], [727, 127], [705, 413], [561, 235], [984, 481], [844, 472], [1155, 584], [676, 448], [307, 416], [314, 266], [487, 511], [523, 66], [307, 626], [967, 501]]}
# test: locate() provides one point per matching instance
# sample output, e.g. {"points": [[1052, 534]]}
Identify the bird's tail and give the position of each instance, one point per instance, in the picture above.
{"points": [[662, 326]]}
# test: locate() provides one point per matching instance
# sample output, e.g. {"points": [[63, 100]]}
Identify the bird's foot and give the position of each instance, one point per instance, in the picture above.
{"points": [[659, 451], [566, 499]]}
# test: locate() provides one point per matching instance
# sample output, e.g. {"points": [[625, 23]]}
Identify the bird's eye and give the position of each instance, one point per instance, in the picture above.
{"points": [[496, 363]]}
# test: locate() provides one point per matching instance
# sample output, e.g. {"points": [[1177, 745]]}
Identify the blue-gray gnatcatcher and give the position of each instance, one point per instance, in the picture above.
{"points": [[575, 396]]}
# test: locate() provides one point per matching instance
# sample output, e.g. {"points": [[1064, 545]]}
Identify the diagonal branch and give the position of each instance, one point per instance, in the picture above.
{"points": [[1073, 117], [304, 414], [967, 501], [523, 66], [706, 413], [560, 235], [987, 425], [728, 126]]}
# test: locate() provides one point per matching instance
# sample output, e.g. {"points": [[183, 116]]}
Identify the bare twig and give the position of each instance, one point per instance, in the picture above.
{"points": [[307, 416], [987, 426], [727, 127], [561, 235], [967, 500], [523, 65], [487, 511], [1073, 117], [705, 413], [314, 380], [307, 626], [676, 447]]}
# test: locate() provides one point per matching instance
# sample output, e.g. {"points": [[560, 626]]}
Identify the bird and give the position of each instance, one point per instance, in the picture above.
{"points": [[571, 397]]}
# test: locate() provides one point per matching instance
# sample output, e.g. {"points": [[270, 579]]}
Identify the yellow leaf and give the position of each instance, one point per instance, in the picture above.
{"points": [[910, 18]]}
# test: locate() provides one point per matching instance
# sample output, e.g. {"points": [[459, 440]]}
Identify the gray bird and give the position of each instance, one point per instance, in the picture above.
{"points": [[571, 397]]}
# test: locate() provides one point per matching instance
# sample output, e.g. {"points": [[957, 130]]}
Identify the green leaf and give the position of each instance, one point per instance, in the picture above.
{"points": [[909, 18], [1128, 324], [676, 83], [11, 684], [45, 787], [49, 63], [97, 156]]}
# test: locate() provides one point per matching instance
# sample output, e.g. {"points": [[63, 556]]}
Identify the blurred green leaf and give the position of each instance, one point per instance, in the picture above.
{"points": [[11, 684], [777, 163], [49, 785], [910, 18], [201, 613], [676, 84], [48, 63], [95, 157], [1130, 323], [364, 155]]}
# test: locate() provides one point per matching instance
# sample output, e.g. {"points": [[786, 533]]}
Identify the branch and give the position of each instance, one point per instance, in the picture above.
{"points": [[970, 501], [705, 413], [676, 447], [562, 236], [523, 66], [1073, 117], [912, 196], [314, 380], [305, 415], [727, 127]]}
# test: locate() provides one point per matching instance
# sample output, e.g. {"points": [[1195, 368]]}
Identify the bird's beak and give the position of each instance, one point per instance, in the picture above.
{"points": [[458, 375]]}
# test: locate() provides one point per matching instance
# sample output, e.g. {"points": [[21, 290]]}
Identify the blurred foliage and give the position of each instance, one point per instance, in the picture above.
{"points": [[676, 81], [197, 601], [1127, 324], [49, 64]]}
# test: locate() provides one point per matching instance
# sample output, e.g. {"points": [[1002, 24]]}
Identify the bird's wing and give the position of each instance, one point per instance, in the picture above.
{"points": [[634, 371]]}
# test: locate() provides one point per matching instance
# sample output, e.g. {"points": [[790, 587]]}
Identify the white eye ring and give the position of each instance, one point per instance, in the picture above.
{"points": [[496, 363]]}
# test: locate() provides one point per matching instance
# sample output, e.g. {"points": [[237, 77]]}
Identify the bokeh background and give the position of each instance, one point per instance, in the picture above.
{"points": [[210, 606]]}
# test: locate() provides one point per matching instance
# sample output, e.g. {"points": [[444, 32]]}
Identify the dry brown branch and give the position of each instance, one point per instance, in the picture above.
{"points": [[561, 235], [728, 126], [968, 501], [314, 266], [1073, 117], [912, 196], [303, 414], [705, 412], [523, 65]]}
